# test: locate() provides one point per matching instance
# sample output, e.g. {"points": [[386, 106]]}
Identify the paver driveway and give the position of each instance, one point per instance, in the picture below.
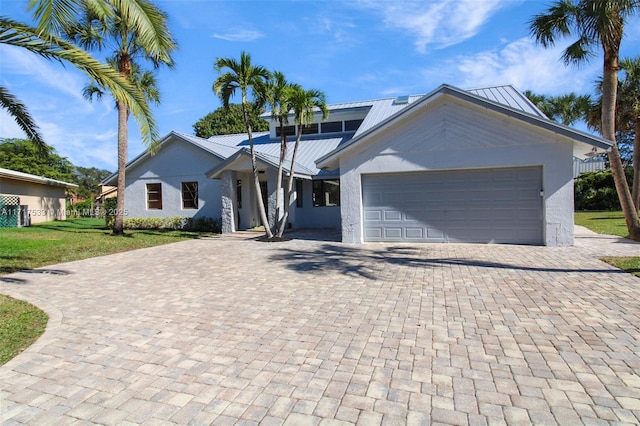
{"points": [[229, 330]]}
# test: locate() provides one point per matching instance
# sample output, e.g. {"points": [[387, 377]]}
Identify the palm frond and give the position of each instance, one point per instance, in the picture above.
{"points": [[19, 112], [149, 24], [55, 48], [52, 16]]}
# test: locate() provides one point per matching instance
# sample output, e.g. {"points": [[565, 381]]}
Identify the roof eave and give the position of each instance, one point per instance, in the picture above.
{"points": [[330, 160], [112, 179]]}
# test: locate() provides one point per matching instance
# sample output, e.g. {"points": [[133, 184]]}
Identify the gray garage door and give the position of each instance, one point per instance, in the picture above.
{"points": [[481, 206]]}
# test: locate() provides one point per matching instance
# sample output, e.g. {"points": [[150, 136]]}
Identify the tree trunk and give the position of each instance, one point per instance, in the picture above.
{"points": [[609, 93], [256, 176], [635, 191], [279, 197], [123, 129], [285, 216]]}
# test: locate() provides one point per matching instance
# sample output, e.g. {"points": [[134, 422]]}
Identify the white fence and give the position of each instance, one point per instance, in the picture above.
{"points": [[587, 166]]}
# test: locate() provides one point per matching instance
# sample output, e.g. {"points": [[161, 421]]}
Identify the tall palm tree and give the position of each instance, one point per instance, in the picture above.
{"points": [[596, 24], [56, 48], [275, 96], [303, 103], [250, 80], [627, 115], [118, 30], [143, 80], [630, 110]]}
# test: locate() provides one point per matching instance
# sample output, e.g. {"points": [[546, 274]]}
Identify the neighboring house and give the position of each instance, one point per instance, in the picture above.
{"points": [[588, 165], [26, 198], [480, 165]]}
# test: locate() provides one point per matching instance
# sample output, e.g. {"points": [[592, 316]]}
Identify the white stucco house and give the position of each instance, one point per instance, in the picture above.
{"points": [[482, 166]]}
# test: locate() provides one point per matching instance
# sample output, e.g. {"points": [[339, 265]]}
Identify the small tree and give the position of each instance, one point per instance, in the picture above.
{"points": [[303, 104], [228, 121], [249, 79], [565, 109]]}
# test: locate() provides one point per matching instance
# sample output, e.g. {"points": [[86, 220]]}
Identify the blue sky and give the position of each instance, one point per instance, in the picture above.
{"points": [[351, 50]]}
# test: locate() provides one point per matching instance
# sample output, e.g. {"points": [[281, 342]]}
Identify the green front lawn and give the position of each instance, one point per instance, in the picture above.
{"points": [[611, 223], [55, 242], [73, 239], [20, 325]]}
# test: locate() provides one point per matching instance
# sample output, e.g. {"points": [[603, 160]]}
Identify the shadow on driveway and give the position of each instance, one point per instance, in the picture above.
{"points": [[362, 262]]}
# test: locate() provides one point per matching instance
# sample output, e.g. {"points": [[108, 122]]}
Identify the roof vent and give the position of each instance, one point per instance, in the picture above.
{"points": [[401, 100]]}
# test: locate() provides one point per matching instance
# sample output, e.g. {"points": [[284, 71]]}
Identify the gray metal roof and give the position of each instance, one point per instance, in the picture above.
{"points": [[506, 100], [311, 147], [378, 112], [509, 96]]}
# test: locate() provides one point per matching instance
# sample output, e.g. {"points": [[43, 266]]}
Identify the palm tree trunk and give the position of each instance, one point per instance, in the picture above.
{"points": [[279, 200], [285, 216], [256, 176], [123, 129], [609, 93], [635, 191]]}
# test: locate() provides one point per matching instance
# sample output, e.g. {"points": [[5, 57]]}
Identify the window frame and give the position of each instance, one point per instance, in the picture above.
{"points": [[321, 193], [325, 127], [288, 131], [154, 204], [194, 194]]}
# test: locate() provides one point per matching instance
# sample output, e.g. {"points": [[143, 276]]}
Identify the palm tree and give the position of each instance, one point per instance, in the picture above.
{"points": [[275, 96], [53, 47], [629, 107], [627, 115], [251, 81], [303, 104], [595, 23], [565, 109], [119, 30]]}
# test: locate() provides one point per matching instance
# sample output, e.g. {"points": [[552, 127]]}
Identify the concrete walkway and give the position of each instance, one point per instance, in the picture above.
{"points": [[231, 330]]}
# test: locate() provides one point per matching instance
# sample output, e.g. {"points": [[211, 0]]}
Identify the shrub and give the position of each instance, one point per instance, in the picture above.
{"points": [[109, 207], [85, 208], [202, 224], [597, 190]]}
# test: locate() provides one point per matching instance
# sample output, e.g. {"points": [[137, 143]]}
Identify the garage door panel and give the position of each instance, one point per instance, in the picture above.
{"points": [[392, 215], [497, 205], [373, 234], [414, 233], [393, 233], [373, 215]]}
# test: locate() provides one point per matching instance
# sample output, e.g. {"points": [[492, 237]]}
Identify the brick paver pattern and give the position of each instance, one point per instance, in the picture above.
{"points": [[235, 331]]}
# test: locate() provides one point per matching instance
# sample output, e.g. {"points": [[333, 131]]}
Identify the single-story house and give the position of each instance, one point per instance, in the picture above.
{"points": [[27, 198], [454, 165]]}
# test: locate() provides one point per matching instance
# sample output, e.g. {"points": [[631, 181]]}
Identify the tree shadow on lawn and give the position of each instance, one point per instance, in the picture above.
{"points": [[366, 263]]}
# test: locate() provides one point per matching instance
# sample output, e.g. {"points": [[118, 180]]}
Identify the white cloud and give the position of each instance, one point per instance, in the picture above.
{"points": [[239, 34], [50, 74], [437, 23], [527, 66]]}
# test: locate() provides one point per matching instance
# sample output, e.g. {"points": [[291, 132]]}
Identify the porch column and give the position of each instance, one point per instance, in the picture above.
{"points": [[229, 202]]}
